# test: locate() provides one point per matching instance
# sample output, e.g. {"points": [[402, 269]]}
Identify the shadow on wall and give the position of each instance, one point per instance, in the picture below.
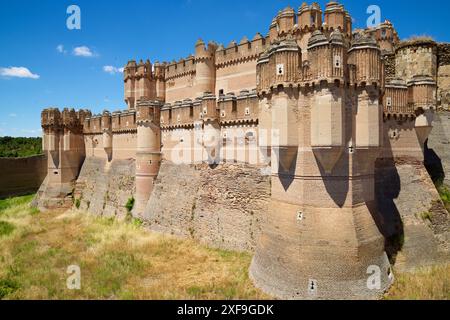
{"points": [[338, 188], [385, 214], [434, 166]]}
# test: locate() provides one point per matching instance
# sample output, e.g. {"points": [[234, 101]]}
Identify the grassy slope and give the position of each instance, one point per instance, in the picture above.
{"points": [[120, 260]]}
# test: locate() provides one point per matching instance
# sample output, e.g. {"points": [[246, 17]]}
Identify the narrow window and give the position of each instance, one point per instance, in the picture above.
{"points": [[280, 69], [337, 61], [389, 101]]}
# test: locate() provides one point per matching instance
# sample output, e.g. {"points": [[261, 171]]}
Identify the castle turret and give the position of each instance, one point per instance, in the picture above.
{"points": [[148, 152], [130, 83], [205, 78], [422, 98], [365, 57], [286, 20], [309, 16], [327, 120], [336, 17], [63, 141]]}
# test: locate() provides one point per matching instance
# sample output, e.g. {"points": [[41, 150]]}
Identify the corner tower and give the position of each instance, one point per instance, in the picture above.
{"points": [[320, 238]]}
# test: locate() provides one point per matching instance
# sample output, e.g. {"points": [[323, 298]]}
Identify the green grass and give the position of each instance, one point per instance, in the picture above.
{"points": [[6, 228]]}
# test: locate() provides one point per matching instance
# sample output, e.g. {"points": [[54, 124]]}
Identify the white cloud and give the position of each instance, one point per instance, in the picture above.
{"points": [[112, 70], [60, 49], [83, 51], [18, 72]]}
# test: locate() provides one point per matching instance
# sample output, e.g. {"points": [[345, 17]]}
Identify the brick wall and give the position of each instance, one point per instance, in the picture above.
{"points": [[22, 175]]}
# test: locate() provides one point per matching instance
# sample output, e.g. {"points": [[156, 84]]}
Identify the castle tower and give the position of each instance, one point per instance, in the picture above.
{"points": [[148, 153], [64, 143], [286, 20], [309, 16], [336, 17], [205, 79], [145, 83], [422, 98], [129, 74], [320, 238]]}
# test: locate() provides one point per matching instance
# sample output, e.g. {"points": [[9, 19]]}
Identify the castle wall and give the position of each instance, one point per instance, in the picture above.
{"points": [[223, 207], [22, 175], [236, 76], [443, 78], [180, 87], [405, 193], [104, 189], [124, 146], [400, 139]]}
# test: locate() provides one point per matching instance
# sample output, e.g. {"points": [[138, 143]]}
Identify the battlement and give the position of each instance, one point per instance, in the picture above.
{"points": [[68, 119], [118, 122], [181, 68], [236, 53], [238, 109]]}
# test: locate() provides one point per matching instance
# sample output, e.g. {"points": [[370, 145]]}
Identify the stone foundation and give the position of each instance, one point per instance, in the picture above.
{"points": [[406, 198], [222, 207], [104, 188]]}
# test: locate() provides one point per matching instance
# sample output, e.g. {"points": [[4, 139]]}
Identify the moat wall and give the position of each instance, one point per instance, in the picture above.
{"points": [[223, 206], [104, 188], [22, 175]]}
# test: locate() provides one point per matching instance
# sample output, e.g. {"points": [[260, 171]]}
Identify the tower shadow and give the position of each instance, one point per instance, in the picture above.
{"points": [[385, 213], [433, 164]]}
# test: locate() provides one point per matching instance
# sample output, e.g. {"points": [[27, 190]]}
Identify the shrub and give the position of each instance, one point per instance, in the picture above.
{"points": [[7, 287], [130, 205], [77, 203]]}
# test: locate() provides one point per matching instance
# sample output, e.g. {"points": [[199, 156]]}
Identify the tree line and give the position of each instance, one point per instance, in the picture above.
{"points": [[20, 147]]}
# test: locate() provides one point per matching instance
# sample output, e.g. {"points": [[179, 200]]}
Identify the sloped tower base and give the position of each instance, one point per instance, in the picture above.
{"points": [[328, 254]]}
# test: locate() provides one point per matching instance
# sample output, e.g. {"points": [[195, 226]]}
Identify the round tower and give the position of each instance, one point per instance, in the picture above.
{"points": [[422, 99], [286, 20], [309, 16], [205, 76], [333, 225], [129, 74], [335, 16], [148, 151]]}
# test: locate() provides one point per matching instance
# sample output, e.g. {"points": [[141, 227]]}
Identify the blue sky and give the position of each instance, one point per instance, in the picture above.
{"points": [[112, 32]]}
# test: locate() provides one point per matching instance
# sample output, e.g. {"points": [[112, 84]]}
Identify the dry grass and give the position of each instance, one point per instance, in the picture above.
{"points": [[431, 283], [118, 260]]}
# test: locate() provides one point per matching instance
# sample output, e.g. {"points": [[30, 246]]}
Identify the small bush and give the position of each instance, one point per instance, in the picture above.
{"points": [[7, 287], [77, 203], [6, 228], [130, 205]]}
